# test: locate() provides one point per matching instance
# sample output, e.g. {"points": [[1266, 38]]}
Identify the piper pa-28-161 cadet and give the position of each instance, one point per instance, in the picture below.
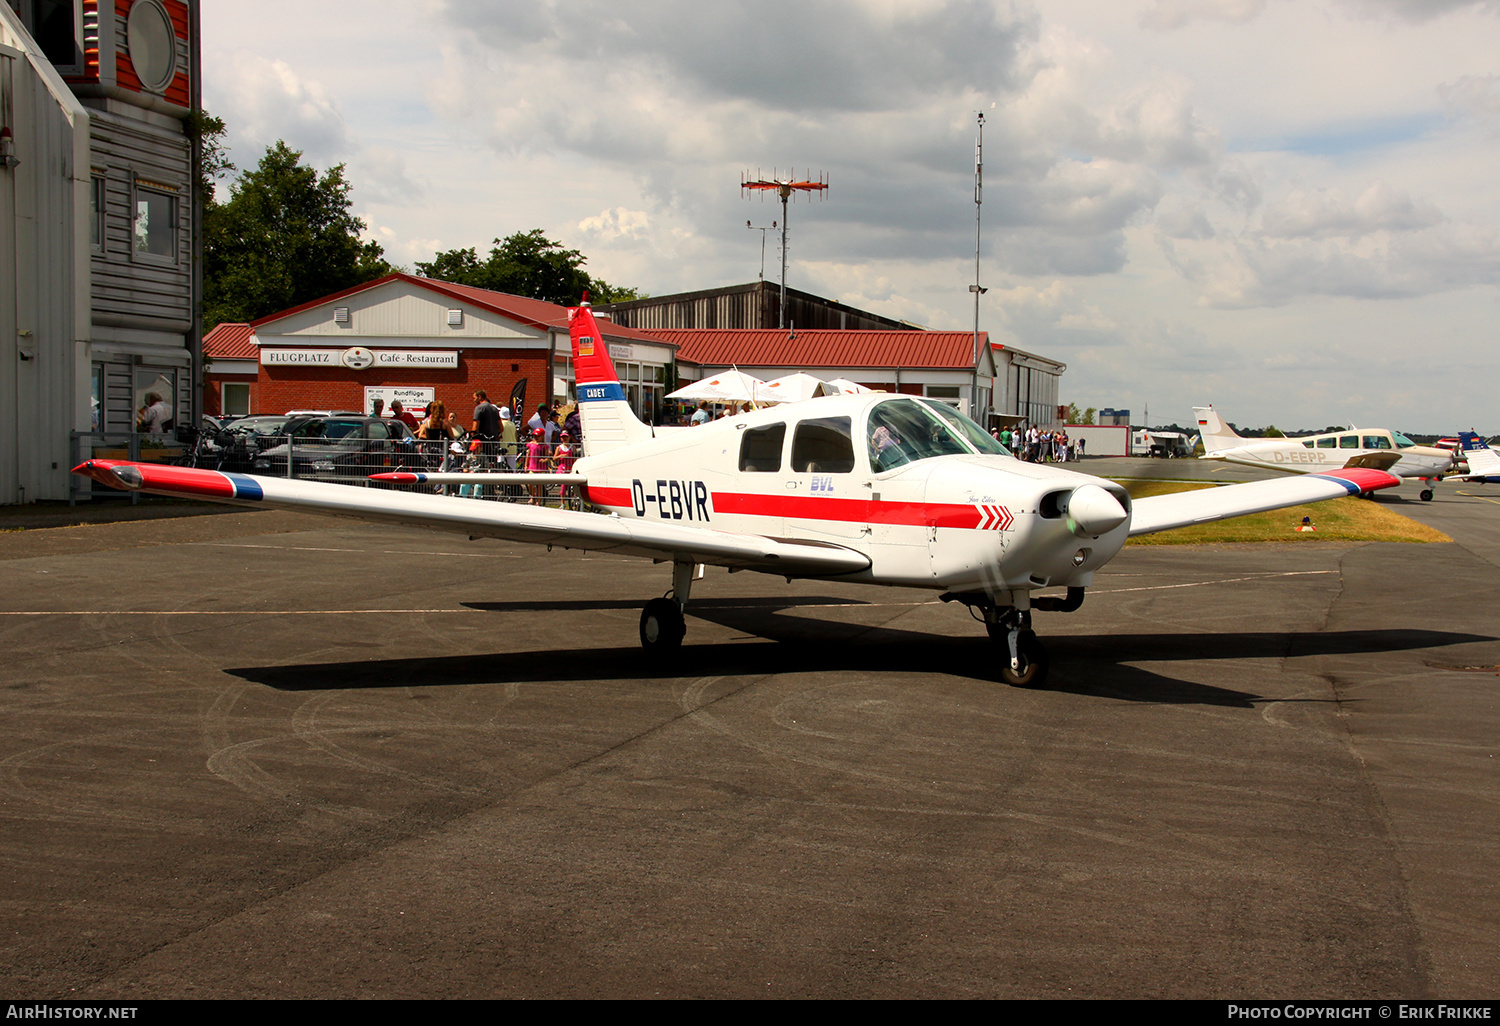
{"points": [[1484, 462], [1318, 454], [872, 488]]}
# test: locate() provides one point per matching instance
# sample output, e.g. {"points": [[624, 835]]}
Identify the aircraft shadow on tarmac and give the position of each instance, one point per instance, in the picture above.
{"points": [[1083, 664]]}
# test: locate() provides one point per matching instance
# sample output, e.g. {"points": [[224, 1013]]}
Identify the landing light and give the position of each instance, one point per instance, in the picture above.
{"points": [[1080, 556]]}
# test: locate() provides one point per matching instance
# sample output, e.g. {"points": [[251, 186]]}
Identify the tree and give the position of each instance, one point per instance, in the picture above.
{"points": [[1077, 416], [526, 264], [285, 237]]}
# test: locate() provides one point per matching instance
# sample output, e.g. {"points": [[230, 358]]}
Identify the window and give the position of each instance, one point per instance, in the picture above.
{"points": [[760, 449], [823, 446], [1328, 443], [236, 400], [1348, 441], [151, 44], [1377, 442], [96, 213], [53, 27], [904, 430], [155, 225]]}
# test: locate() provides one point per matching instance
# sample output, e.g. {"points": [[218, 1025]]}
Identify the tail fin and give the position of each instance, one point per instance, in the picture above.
{"points": [[608, 422], [1482, 459], [1216, 434]]}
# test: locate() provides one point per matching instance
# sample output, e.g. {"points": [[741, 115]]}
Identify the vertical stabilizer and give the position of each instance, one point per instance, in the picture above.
{"points": [[607, 419], [1216, 434], [1483, 461]]}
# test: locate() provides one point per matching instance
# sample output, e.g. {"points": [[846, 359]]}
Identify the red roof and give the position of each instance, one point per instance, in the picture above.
{"points": [[776, 347], [534, 312], [231, 342]]}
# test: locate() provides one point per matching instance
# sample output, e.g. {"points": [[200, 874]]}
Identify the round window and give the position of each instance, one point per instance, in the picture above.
{"points": [[152, 44]]}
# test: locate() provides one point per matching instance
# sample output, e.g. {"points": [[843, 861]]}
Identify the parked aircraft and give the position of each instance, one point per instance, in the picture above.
{"points": [[870, 487], [1484, 462], [1311, 454]]}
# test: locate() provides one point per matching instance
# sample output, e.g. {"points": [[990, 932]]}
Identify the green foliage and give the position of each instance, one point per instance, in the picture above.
{"points": [[285, 237], [526, 264], [1077, 416], [207, 133]]}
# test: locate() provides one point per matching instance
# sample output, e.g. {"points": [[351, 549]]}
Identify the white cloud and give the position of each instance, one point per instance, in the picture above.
{"points": [[615, 223], [269, 101], [1322, 213], [1165, 15], [1418, 10]]}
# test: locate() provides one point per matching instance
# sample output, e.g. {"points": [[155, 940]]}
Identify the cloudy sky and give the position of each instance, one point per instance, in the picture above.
{"points": [[1288, 208]]}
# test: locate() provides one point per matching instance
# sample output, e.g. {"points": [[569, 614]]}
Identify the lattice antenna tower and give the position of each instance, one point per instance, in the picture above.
{"points": [[786, 187]]}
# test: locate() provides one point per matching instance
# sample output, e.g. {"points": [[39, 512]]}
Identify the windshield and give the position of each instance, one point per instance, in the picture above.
{"points": [[971, 432], [905, 430], [1402, 440]]}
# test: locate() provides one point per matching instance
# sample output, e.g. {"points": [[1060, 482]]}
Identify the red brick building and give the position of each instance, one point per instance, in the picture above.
{"points": [[415, 339]]}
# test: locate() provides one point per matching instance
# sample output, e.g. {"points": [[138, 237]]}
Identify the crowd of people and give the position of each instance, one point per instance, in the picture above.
{"points": [[495, 440], [1039, 445]]}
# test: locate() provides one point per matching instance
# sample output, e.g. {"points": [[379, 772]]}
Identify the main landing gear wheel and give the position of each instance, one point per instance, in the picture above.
{"points": [[1426, 495], [662, 627]]}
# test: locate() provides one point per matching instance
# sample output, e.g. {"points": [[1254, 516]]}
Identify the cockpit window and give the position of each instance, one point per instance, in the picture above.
{"points": [[905, 430], [970, 431], [1377, 442], [823, 446]]}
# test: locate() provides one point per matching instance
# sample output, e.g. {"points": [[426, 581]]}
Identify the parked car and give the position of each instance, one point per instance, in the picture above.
{"points": [[340, 447]]}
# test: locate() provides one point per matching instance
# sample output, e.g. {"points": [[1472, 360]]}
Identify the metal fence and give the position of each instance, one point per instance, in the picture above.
{"points": [[348, 461]]}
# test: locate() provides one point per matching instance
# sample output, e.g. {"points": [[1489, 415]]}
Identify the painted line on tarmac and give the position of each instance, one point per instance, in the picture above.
{"points": [[382, 552], [1225, 580], [401, 612]]}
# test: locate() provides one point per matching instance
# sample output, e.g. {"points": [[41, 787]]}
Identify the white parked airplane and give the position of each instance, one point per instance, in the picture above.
{"points": [[872, 487], [1484, 462], [1315, 454]]}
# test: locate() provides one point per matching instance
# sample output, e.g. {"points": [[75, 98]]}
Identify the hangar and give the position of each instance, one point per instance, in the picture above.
{"points": [[100, 216]]}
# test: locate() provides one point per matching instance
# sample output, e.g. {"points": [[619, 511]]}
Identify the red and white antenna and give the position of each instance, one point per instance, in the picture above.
{"points": [[785, 188]]}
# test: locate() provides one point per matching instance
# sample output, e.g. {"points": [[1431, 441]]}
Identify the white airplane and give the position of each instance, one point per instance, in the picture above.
{"points": [[1484, 462], [873, 488], [1315, 454]]}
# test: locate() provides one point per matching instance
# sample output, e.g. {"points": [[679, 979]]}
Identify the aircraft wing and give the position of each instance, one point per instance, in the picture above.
{"points": [[1183, 509], [535, 524]]}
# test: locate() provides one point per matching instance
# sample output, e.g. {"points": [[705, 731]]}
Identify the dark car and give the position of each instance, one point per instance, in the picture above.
{"points": [[339, 447]]}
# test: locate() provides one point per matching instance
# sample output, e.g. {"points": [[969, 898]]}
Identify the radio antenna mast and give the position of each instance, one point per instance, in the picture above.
{"points": [[784, 187]]}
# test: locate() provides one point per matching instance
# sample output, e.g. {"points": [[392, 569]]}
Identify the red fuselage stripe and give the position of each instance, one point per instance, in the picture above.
{"points": [[804, 507]]}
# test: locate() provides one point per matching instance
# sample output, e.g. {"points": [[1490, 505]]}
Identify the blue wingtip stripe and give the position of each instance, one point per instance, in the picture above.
{"points": [[1349, 486], [246, 487]]}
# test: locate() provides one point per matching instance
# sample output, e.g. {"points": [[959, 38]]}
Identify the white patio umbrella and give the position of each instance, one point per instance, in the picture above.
{"points": [[844, 386], [732, 386], [792, 388]]}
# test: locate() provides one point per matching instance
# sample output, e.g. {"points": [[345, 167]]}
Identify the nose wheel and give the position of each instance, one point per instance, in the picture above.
{"points": [[1023, 658]]}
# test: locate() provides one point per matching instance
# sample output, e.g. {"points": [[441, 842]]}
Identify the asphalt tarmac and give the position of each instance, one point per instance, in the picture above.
{"points": [[266, 755]]}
